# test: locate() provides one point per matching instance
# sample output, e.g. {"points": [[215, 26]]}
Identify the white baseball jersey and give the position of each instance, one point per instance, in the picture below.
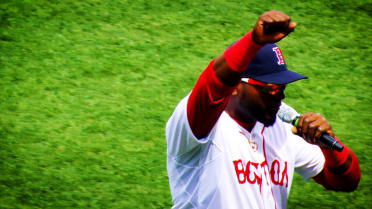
{"points": [[234, 168]]}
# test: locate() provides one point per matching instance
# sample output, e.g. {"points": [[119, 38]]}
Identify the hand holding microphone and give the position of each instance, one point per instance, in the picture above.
{"points": [[313, 127]]}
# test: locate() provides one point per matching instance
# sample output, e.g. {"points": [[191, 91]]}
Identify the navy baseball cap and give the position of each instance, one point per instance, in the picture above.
{"points": [[268, 66]]}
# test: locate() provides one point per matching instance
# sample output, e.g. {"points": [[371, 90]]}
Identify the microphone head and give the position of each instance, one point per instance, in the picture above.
{"points": [[287, 113]]}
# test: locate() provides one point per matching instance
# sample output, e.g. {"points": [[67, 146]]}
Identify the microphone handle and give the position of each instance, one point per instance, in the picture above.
{"points": [[330, 142]]}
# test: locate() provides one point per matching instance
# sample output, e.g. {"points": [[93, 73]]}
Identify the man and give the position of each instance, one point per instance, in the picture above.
{"points": [[226, 148]]}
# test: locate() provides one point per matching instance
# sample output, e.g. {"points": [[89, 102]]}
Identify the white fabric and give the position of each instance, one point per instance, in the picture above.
{"points": [[232, 168]]}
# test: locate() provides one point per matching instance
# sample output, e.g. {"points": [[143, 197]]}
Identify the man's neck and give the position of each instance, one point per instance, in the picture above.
{"points": [[248, 125]]}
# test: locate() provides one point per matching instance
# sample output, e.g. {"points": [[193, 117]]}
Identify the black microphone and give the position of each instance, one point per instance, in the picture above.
{"points": [[289, 115]]}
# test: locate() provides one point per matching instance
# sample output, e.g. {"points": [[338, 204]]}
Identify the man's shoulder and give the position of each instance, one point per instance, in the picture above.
{"points": [[180, 109]]}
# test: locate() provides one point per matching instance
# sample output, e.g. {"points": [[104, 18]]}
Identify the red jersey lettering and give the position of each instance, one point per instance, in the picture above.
{"points": [[253, 172]]}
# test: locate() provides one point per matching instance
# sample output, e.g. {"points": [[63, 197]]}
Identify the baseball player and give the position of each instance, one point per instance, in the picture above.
{"points": [[226, 148]]}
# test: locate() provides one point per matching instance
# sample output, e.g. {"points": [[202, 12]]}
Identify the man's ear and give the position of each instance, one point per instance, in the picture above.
{"points": [[235, 92]]}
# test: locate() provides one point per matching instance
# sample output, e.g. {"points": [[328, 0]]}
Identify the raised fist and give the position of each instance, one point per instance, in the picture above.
{"points": [[271, 27]]}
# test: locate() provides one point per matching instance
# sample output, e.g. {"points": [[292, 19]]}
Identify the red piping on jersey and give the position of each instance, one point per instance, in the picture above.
{"points": [[264, 151]]}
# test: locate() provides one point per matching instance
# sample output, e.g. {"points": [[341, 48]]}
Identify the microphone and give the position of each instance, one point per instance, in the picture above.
{"points": [[289, 115]]}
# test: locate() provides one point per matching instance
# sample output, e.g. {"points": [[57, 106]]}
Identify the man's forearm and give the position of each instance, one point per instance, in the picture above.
{"points": [[341, 170], [232, 63], [212, 91]]}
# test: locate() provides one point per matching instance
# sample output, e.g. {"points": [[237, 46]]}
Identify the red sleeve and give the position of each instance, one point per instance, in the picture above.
{"points": [[210, 96], [239, 55], [341, 170], [206, 102]]}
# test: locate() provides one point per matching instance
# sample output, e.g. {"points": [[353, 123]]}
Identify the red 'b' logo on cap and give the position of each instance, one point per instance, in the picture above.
{"points": [[279, 55]]}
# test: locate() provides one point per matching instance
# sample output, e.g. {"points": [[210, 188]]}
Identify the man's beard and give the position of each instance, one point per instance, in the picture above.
{"points": [[265, 117], [268, 121], [253, 112]]}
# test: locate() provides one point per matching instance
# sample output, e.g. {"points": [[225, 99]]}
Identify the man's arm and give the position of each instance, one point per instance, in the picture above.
{"points": [[212, 91], [341, 170]]}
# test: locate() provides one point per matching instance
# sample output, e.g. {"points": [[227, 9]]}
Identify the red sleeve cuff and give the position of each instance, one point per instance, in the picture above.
{"points": [[335, 158]]}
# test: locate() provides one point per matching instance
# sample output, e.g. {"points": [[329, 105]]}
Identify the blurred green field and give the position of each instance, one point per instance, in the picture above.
{"points": [[86, 88]]}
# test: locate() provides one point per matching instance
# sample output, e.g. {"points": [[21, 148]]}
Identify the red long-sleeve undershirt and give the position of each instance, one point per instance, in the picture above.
{"points": [[210, 96], [207, 101], [335, 176]]}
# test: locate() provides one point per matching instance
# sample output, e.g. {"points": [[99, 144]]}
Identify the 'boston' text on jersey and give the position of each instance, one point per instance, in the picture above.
{"points": [[253, 172]]}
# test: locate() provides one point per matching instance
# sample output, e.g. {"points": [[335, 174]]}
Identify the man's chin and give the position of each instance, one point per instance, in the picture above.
{"points": [[268, 121]]}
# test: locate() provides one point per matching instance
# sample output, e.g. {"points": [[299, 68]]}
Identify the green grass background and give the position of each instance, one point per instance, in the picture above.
{"points": [[86, 88]]}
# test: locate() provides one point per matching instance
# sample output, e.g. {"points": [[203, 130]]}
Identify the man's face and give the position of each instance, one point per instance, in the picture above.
{"points": [[257, 104]]}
